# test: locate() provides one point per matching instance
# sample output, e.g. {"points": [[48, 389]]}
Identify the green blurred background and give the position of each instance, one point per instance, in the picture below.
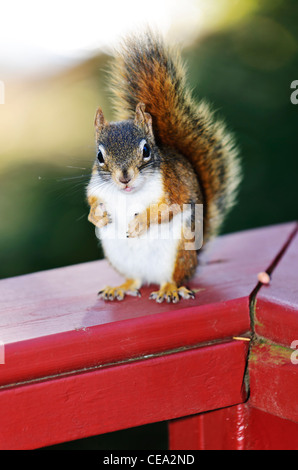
{"points": [[243, 64]]}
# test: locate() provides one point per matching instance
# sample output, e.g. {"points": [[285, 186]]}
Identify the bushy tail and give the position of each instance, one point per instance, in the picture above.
{"points": [[145, 70]]}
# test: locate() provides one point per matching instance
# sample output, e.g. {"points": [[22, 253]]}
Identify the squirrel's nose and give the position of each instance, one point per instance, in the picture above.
{"points": [[124, 178]]}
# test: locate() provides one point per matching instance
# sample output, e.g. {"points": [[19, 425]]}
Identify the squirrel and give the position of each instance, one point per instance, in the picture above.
{"points": [[163, 156]]}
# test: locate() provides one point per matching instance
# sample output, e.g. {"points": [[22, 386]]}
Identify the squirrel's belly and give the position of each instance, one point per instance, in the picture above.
{"points": [[150, 258]]}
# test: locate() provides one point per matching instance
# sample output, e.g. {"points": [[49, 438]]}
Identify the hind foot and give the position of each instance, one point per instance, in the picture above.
{"points": [[130, 287], [171, 293]]}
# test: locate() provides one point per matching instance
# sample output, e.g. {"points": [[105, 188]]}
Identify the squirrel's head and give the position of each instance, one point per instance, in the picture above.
{"points": [[126, 150]]}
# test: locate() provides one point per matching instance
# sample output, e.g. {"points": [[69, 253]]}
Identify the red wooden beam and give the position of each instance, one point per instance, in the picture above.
{"points": [[276, 311], [274, 380], [120, 396], [272, 368], [52, 322]]}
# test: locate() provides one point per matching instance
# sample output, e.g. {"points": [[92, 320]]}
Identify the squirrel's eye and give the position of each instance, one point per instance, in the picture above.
{"points": [[100, 157], [146, 153]]}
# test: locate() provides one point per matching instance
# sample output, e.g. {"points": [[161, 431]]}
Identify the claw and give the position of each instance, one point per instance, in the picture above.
{"points": [[186, 293], [130, 287], [171, 293], [134, 293]]}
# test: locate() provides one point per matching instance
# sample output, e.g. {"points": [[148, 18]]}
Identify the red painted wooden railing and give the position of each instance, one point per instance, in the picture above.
{"points": [[76, 366]]}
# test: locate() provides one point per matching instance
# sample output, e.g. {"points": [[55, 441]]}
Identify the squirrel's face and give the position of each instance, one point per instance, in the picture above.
{"points": [[126, 152]]}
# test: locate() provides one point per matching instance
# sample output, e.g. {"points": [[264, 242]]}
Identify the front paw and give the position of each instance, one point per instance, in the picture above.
{"points": [[99, 216], [138, 226]]}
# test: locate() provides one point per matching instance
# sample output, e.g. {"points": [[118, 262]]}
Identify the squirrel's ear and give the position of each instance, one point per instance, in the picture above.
{"points": [[144, 120], [100, 121]]}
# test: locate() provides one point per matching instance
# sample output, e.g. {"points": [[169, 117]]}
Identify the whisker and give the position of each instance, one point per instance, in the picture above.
{"points": [[82, 216], [76, 167], [70, 178]]}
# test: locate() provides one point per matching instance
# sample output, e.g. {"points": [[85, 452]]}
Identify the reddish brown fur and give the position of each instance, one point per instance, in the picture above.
{"points": [[186, 263], [147, 71]]}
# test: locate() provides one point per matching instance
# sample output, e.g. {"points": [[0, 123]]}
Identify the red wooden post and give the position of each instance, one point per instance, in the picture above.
{"points": [[269, 419], [273, 364], [240, 427], [77, 366]]}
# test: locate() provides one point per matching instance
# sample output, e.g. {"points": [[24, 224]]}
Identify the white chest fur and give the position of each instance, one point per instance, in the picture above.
{"points": [[151, 257]]}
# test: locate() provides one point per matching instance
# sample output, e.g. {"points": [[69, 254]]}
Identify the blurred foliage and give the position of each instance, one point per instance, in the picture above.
{"points": [[45, 220], [246, 73], [244, 70]]}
